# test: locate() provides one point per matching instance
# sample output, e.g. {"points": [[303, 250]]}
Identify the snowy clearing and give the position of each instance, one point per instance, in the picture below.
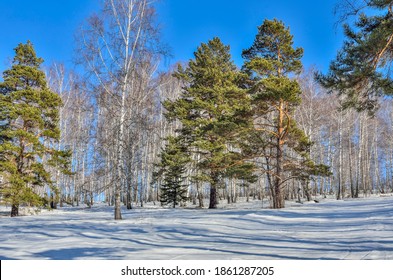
{"points": [[353, 229]]}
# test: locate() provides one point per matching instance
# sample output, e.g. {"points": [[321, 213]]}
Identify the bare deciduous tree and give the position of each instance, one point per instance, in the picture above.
{"points": [[119, 48]]}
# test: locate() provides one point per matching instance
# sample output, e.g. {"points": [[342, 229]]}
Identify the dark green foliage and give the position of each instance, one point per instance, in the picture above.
{"points": [[362, 70], [272, 53], [213, 111], [28, 129], [172, 172]]}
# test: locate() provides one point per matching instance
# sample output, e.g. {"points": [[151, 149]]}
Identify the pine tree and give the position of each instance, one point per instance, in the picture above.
{"points": [[213, 111], [172, 172], [270, 62], [361, 71], [29, 127]]}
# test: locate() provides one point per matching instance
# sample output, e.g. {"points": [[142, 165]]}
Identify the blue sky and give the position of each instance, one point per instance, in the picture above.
{"points": [[51, 26]]}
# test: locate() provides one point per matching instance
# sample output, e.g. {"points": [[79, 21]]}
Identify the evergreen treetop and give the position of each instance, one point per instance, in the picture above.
{"points": [[272, 53]]}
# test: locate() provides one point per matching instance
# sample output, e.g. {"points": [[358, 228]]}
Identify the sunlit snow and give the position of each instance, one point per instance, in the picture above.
{"points": [[352, 229]]}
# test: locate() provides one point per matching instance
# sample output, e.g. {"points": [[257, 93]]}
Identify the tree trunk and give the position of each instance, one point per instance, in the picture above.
{"points": [[15, 210], [340, 159], [200, 194], [129, 204], [213, 197], [350, 168], [278, 199], [120, 151], [307, 190], [213, 192]]}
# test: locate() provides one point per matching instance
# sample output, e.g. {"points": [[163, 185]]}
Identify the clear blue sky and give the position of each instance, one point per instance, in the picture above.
{"points": [[51, 26]]}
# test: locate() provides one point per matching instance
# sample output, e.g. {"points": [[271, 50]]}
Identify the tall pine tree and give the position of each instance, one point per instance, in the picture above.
{"points": [[29, 127], [270, 64], [213, 111]]}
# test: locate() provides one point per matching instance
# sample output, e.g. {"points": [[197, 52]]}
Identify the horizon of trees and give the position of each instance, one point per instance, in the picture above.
{"points": [[208, 129]]}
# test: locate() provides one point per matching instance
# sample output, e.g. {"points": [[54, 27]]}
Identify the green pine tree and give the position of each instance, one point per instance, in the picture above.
{"points": [[213, 111], [172, 172], [28, 128], [270, 63], [362, 70]]}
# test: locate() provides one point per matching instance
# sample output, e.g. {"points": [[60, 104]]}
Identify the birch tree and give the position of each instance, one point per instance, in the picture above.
{"points": [[114, 43]]}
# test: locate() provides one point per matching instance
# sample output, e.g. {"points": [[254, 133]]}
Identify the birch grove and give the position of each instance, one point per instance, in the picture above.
{"points": [[355, 145], [119, 48]]}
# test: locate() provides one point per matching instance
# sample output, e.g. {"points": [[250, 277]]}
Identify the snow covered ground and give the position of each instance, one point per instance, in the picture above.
{"points": [[353, 229]]}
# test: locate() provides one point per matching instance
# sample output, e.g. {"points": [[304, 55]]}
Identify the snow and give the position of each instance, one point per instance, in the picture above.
{"points": [[351, 229]]}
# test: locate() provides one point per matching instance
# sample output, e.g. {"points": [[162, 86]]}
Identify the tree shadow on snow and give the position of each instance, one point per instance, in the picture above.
{"points": [[82, 253]]}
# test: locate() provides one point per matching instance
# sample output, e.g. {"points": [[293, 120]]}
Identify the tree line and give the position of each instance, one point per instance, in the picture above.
{"points": [[123, 131]]}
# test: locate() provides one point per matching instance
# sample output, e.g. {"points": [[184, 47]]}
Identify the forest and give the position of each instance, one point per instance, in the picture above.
{"points": [[126, 132]]}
